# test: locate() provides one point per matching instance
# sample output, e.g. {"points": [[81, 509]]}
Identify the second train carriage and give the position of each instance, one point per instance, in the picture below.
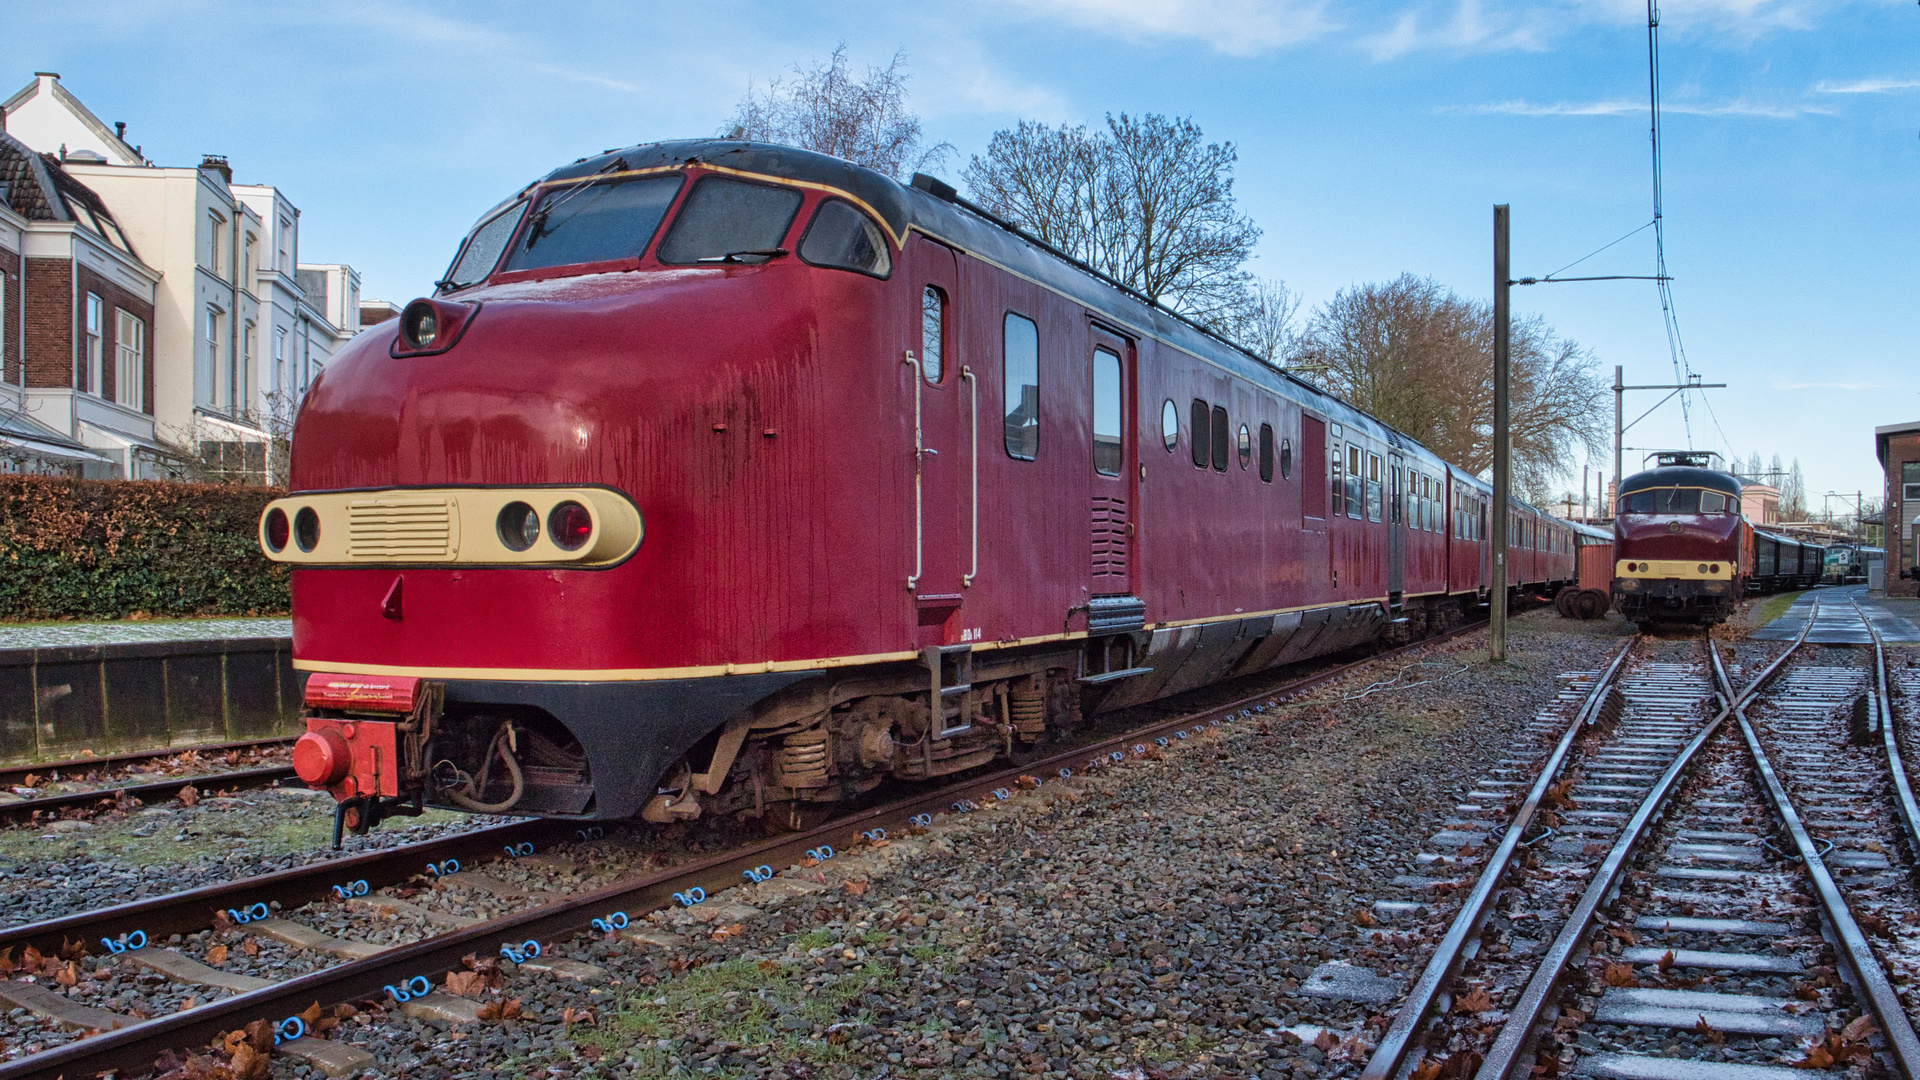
{"points": [[728, 478]]}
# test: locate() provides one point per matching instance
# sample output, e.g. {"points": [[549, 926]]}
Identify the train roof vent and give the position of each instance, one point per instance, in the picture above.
{"points": [[935, 187]]}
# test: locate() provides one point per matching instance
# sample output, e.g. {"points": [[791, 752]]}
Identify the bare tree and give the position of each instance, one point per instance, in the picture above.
{"points": [[1148, 202], [1263, 321], [1420, 357], [827, 109]]}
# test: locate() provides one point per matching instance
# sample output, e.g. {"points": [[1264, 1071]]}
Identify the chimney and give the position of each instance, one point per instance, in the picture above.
{"points": [[120, 130], [217, 163]]}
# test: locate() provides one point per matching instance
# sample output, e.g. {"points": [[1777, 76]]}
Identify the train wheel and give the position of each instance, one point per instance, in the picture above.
{"points": [[1588, 603], [792, 817], [1563, 601]]}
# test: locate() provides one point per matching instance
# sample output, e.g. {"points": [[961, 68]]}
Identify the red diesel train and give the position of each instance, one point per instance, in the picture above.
{"points": [[719, 477], [1685, 552]]}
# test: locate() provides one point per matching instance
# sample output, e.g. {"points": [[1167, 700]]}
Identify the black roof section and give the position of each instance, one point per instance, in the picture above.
{"points": [[1682, 476]]}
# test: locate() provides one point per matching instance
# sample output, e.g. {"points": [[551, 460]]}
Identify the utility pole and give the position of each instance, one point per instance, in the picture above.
{"points": [[1620, 430], [1502, 288]]}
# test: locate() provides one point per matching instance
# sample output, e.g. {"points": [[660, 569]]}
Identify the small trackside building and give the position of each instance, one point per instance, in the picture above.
{"points": [[1898, 447]]}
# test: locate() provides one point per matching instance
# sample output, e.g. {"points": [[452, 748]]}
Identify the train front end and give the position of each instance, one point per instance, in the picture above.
{"points": [[1679, 545], [558, 521]]}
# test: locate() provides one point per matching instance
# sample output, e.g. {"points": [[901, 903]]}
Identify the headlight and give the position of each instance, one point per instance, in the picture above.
{"points": [[570, 526], [276, 529], [420, 324], [306, 529], [1628, 584], [519, 526]]}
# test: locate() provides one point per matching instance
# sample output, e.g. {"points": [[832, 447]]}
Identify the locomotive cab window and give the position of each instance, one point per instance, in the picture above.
{"points": [[1170, 426], [1202, 419], [1713, 502], [730, 221], [483, 249], [843, 238], [933, 320], [1022, 384], [600, 221], [1106, 413]]}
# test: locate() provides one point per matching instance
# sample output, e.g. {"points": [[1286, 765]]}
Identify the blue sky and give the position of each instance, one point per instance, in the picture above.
{"points": [[1374, 136]]}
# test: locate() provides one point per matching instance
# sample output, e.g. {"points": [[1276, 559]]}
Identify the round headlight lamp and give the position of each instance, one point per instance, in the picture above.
{"points": [[420, 324]]}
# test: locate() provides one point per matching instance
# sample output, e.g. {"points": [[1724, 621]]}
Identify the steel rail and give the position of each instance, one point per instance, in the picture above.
{"points": [[1430, 991], [1516, 1035], [237, 779], [1896, 762], [1870, 977], [11, 775], [193, 910], [136, 1046]]}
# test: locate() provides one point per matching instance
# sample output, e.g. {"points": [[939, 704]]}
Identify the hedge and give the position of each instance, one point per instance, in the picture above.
{"points": [[91, 549]]}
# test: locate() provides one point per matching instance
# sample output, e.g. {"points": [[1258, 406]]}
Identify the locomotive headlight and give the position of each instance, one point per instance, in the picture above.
{"points": [[570, 526], [519, 526], [275, 530], [1703, 568], [1715, 568], [306, 529], [1630, 584], [420, 324]]}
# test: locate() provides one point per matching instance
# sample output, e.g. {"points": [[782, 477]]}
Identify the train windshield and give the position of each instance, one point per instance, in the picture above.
{"points": [[603, 221], [1676, 501]]}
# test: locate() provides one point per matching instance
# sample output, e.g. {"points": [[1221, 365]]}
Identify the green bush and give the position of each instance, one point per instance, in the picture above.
{"points": [[90, 549]]}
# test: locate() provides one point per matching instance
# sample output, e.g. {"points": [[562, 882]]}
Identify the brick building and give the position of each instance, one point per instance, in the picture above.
{"points": [[1898, 447], [76, 316]]}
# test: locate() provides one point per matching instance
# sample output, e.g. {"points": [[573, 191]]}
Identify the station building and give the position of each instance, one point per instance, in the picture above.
{"points": [[237, 327], [1898, 447]]}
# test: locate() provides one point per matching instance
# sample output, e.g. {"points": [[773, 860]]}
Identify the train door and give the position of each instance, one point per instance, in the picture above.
{"points": [[944, 403], [1116, 469], [1396, 529]]}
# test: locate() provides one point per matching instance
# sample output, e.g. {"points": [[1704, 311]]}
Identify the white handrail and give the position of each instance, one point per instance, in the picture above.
{"points": [[919, 458], [973, 398]]}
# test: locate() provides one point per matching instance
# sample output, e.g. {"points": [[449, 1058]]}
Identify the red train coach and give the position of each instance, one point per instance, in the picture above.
{"points": [[727, 478]]}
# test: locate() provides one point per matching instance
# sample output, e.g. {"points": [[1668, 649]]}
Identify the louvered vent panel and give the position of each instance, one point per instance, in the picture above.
{"points": [[1110, 538], [400, 530]]}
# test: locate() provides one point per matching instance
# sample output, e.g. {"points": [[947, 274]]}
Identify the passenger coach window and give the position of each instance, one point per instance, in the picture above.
{"points": [[1202, 439], [483, 250], [1266, 453], [1336, 474], [845, 239], [1356, 484], [1246, 447], [933, 312], [1221, 438], [1373, 487], [1022, 369], [593, 222], [1106, 413], [727, 220], [1170, 426]]}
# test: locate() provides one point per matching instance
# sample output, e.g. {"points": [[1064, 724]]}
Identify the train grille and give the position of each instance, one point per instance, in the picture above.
{"points": [[400, 529], [1110, 538]]}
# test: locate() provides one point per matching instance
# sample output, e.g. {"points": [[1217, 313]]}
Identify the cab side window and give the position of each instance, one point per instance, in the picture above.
{"points": [[1020, 365]]}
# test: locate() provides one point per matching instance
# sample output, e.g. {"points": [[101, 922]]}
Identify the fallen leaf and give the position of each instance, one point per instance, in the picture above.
{"points": [[1325, 1040], [250, 947], [1666, 962], [1709, 1032], [1620, 975], [1363, 917], [69, 975], [1476, 1000], [188, 796], [1427, 1070], [856, 887], [217, 955], [730, 930], [571, 1016], [249, 1064], [1859, 1029], [466, 983]]}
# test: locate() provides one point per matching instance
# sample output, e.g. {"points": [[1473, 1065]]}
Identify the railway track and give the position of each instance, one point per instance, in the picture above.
{"points": [[1693, 889], [115, 778], [286, 906]]}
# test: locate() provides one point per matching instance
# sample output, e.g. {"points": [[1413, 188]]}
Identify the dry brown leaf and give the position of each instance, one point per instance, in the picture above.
{"points": [[1709, 1032], [30, 959], [1363, 917], [1325, 1040], [69, 975], [1620, 975], [855, 887], [729, 930], [188, 796], [1427, 1070], [1476, 1000], [1859, 1029], [571, 1016], [500, 1010], [1666, 962], [466, 983], [217, 955], [72, 950], [249, 1064], [250, 947]]}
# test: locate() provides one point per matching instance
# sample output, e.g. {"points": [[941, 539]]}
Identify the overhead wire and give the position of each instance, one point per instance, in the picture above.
{"points": [[1676, 348]]}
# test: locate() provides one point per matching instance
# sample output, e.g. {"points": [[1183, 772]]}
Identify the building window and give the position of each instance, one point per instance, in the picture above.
{"points": [[130, 368], [246, 368], [217, 242], [286, 245], [213, 356], [279, 359], [1021, 368], [96, 344], [246, 260]]}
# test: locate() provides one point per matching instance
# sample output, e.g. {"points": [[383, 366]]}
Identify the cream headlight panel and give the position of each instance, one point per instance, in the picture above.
{"points": [[450, 525]]}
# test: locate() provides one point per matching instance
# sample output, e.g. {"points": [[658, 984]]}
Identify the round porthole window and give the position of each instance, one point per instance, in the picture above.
{"points": [[1246, 446], [1286, 458], [1170, 426]]}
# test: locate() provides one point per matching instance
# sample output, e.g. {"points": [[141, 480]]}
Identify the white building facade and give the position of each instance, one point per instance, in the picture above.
{"points": [[241, 326]]}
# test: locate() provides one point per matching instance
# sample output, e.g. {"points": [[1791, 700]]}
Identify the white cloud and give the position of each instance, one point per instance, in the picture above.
{"points": [[1789, 384], [1472, 27], [1866, 86], [470, 40], [1233, 27], [1740, 108], [970, 83]]}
